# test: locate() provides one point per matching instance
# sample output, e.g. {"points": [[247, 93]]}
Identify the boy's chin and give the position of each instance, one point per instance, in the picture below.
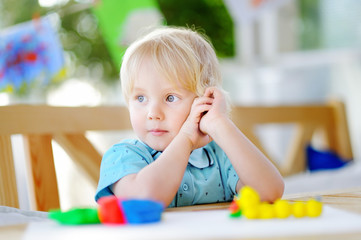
{"points": [[157, 147]]}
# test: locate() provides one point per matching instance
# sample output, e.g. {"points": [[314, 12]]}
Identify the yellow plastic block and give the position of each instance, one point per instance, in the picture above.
{"points": [[251, 212], [266, 211], [313, 208], [299, 209], [249, 197], [282, 208]]}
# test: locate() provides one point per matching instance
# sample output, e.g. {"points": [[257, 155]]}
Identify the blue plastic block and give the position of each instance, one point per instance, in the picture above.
{"points": [[138, 211]]}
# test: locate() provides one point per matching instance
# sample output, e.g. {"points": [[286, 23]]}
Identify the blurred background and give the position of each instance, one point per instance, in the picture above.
{"points": [[272, 52]]}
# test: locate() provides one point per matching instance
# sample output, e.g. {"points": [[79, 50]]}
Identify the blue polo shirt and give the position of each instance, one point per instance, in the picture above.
{"points": [[209, 176]]}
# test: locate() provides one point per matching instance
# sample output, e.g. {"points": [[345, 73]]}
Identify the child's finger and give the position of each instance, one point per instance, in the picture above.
{"points": [[214, 93], [203, 100], [211, 92], [200, 110]]}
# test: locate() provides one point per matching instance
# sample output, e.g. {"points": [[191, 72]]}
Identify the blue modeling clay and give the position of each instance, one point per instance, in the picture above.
{"points": [[138, 211]]}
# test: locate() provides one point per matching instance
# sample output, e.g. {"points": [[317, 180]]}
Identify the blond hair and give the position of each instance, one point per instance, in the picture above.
{"points": [[182, 55]]}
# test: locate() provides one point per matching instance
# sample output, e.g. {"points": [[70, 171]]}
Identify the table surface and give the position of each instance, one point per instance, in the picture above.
{"points": [[345, 199]]}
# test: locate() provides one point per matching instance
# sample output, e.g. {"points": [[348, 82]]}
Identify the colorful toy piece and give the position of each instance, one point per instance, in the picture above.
{"points": [[299, 209], [249, 197], [235, 211], [266, 211], [314, 208], [76, 216], [251, 212], [283, 209], [248, 203], [112, 210], [109, 211]]}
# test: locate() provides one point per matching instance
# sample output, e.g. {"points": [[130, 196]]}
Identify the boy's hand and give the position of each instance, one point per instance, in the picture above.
{"points": [[191, 127], [216, 113]]}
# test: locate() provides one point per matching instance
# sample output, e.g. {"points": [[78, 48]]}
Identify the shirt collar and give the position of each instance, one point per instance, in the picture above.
{"points": [[154, 153], [200, 158]]}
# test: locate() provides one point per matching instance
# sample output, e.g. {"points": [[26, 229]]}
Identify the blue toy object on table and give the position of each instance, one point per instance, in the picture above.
{"points": [[140, 211]]}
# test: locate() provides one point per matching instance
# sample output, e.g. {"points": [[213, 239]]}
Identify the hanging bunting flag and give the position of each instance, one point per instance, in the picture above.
{"points": [[30, 53], [121, 22]]}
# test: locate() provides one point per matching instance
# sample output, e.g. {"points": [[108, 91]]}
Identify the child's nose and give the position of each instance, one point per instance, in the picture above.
{"points": [[155, 112]]}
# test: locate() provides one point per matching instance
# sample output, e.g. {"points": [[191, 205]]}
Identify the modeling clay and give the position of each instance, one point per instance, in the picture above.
{"points": [[282, 208], [299, 209], [235, 211], [314, 208], [251, 212], [76, 216], [248, 203], [140, 211], [249, 197], [112, 210], [266, 211], [109, 210]]}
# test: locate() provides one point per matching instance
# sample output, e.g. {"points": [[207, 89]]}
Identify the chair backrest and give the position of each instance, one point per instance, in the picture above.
{"points": [[329, 119], [40, 124]]}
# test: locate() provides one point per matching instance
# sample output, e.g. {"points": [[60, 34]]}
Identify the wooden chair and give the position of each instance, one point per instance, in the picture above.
{"points": [[39, 125], [329, 119]]}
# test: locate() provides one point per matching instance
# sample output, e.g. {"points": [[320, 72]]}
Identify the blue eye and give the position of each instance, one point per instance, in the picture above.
{"points": [[172, 98], [140, 98]]}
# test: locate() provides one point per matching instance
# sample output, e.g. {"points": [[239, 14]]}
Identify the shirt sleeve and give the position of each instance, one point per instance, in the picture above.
{"points": [[119, 161], [232, 179]]}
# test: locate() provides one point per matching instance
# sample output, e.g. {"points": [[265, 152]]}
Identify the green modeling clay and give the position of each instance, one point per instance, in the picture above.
{"points": [[76, 216]]}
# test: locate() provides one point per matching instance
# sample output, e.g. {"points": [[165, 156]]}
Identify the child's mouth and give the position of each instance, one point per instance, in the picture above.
{"points": [[158, 132]]}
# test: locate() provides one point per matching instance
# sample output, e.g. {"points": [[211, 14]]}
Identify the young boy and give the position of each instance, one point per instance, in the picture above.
{"points": [[189, 151]]}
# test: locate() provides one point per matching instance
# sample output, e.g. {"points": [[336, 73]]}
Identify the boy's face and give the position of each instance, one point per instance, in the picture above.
{"points": [[157, 109]]}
